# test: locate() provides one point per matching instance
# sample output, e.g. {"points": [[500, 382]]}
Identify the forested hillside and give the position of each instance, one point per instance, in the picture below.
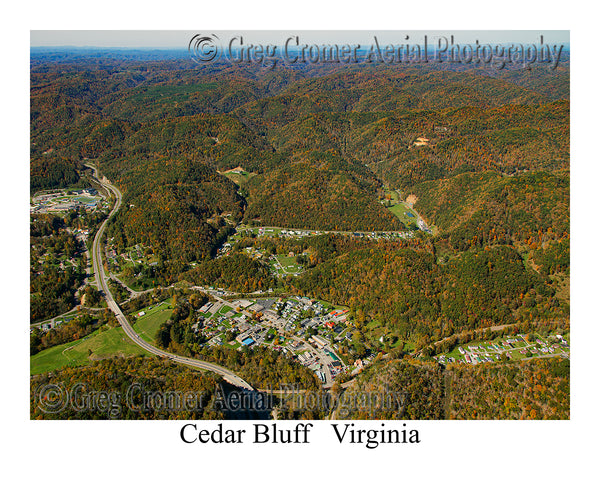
{"points": [[418, 299], [320, 146], [134, 388], [489, 209], [177, 206], [322, 142], [468, 167], [52, 172], [532, 390]]}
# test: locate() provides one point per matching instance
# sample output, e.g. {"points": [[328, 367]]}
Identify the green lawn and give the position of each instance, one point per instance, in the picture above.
{"points": [[289, 264], [402, 211], [138, 284], [104, 343], [234, 346], [372, 325], [148, 325], [394, 197], [239, 177]]}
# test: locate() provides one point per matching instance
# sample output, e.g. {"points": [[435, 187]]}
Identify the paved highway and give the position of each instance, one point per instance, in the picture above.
{"points": [[227, 375]]}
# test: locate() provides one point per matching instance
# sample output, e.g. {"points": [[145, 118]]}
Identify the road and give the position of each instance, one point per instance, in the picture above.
{"points": [[102, 284], [52, 321]]}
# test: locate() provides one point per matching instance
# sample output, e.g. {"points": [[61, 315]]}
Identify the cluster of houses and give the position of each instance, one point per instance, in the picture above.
{"points": [[491, 352], [134, 255], [287, 233], [50, 324], [271, 232], [303, 314], [282, 326], [361, 363]]}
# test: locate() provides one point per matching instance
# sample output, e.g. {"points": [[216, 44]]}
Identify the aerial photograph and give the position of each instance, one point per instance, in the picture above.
{"points": [[299, 225]]}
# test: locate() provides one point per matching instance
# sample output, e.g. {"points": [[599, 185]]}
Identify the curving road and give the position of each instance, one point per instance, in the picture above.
{"points": [[102, 284]]}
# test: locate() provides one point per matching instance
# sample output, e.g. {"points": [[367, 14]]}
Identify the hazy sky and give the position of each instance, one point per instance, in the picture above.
{"points": [[180, 38]]}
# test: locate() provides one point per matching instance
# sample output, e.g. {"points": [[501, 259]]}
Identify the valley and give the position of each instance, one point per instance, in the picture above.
{"points": [[325, 227]]}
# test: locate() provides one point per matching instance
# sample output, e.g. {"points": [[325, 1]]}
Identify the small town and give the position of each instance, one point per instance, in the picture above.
{"points": [[300, 327]]}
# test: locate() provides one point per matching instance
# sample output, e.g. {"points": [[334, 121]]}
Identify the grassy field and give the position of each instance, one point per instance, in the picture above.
{"points": [[289, 264], [104, 343], [148, 325], [406, 215], [403, 213], [239, 177], [234, 345], [374, 331], [138, 284], [285, 265], [392, 194]]}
